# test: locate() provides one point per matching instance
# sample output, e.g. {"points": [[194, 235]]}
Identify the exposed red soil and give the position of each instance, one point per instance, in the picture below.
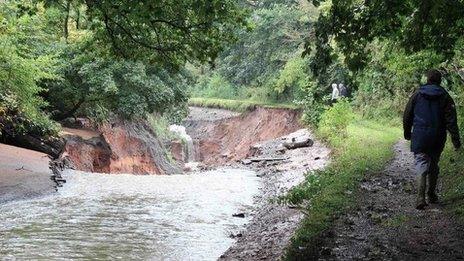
{"points": [[120, 147], [230, 139]]}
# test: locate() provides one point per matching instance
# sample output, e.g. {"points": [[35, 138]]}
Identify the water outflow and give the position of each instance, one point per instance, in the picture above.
{"points": [[126, 217], [180, 130]]}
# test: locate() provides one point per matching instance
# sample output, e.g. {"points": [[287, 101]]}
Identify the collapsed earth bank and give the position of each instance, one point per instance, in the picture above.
{"points": [[133, 147], [222, 137], [117, 147]]}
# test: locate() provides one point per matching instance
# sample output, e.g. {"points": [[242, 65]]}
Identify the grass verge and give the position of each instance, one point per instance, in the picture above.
{"points": [[324, 195], [452, 174], [236, 105]]}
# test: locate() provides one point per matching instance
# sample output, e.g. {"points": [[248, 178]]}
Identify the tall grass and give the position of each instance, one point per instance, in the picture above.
{"points": [[452, 174]]}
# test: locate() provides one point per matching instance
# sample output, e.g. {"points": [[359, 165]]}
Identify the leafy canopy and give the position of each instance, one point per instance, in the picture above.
{"points": [[413, 25], [170, 31]]}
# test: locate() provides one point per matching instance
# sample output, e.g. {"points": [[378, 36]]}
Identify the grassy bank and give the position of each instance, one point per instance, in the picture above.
{"points": [[366, 148], [236, 105], [452, 174]]}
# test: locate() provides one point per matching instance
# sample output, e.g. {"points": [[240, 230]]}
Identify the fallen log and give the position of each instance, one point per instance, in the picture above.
{"points": [[267, 159], [295, 144]]}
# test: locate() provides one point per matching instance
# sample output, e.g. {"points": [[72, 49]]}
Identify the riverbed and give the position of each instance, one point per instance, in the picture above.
{"points": [[95, 216]]}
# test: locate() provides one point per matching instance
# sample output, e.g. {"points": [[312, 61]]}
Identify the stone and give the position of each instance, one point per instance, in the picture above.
{"points": [[239, 215]]}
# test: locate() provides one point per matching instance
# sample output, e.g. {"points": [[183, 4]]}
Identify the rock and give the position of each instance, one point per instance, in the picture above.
{"points": [[235, 235], [256, 150], [281, 149], [177, 150], [325, 251], [246, 162], [295, 143]]}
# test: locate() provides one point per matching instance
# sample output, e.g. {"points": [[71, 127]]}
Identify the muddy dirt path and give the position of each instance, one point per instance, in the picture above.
{"points": [[386, 226]]}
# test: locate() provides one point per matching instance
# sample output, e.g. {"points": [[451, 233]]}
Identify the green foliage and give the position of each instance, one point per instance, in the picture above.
{"points": [[293, 78], [335, 120], [23, 65], [392, 75], [264, 65], [326, 194], [214, 86], [95, 84], [100, 58], [413, 25], [277, 34], [453, 180], [314, 101], [14, 121], [167, 31], [160, 125]]}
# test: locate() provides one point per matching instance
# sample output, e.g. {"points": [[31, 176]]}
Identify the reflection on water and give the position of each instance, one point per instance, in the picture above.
{"points": [[125, 217]]}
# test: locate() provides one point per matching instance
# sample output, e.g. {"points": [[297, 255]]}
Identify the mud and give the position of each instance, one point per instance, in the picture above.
{"points": [[386, 226], [23, 174]]}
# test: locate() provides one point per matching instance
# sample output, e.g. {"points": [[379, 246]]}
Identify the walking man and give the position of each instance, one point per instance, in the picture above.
{"points": [[429, 113]]}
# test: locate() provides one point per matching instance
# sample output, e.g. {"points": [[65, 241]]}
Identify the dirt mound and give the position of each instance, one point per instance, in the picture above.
{"points": [[223, 140], [121, 147]]}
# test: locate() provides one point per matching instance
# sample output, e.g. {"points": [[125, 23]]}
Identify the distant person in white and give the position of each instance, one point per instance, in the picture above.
{"points": [[339, 91], [335, 92]]}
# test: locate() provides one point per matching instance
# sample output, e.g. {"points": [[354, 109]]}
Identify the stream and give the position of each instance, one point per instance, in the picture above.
{"points": [[95, 216]]}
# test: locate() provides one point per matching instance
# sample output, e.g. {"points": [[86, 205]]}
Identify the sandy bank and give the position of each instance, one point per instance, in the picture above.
{"points": [[23, 174]]}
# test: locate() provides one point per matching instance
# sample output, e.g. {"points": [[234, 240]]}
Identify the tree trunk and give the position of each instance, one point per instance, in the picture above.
{"points": [[66, 20]]}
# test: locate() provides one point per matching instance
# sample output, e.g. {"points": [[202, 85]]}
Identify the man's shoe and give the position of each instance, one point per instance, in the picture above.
{"points": [[433, 198]]}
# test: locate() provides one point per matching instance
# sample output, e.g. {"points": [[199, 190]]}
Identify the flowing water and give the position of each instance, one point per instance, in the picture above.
{"points": [[126, 217], [190, 150]]}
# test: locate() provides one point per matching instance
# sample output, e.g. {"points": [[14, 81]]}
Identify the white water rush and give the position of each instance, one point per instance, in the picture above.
{"points": [[126, 217], [180, 130]]}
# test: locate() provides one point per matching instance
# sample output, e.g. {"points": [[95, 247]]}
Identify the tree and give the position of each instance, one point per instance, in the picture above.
{"points": [[415, 25], [168, 31]]}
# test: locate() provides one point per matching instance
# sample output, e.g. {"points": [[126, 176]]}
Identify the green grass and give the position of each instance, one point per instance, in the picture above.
{"points": [[326, 194], [452, 174], [236, 105]]}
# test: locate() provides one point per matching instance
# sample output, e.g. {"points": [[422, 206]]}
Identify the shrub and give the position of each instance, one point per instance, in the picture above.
{"points": [[214, 86], [335, 120]]}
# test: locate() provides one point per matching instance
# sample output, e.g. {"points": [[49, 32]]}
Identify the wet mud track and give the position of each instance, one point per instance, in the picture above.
{"points": [[386, 226]]}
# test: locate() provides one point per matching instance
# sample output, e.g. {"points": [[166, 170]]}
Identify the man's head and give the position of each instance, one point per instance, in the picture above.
{"points": [[434, 77]]}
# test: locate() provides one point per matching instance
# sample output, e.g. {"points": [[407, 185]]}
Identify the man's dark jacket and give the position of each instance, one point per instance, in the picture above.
{"points": [[429, 113]]}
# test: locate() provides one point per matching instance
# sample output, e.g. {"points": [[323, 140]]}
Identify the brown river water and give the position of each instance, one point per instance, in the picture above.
{"points": [[126, 217]]}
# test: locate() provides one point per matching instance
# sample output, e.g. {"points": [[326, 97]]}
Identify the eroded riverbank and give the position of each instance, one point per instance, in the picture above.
{"points": [[259, 146], [178, 217]]}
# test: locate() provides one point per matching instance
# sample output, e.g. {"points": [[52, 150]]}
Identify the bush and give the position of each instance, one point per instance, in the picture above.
{"points": [[335, 120], [214, 86], [16, 122]]}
